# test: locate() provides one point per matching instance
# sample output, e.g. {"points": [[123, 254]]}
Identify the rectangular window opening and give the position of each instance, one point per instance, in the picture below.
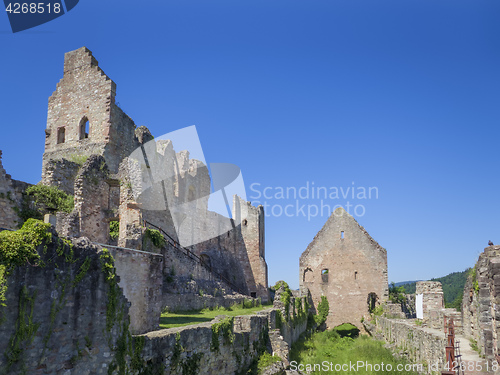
{"points": [[342, 234]]}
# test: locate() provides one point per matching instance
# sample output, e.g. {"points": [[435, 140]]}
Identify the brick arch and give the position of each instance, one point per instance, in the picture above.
{"points": [[84, 128]]}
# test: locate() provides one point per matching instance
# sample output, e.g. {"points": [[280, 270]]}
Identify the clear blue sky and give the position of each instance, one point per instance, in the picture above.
{"points": [[400, 95]]}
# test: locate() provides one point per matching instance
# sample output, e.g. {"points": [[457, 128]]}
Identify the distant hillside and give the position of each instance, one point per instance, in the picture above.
{"points": [[453, 287], [401, 283]]}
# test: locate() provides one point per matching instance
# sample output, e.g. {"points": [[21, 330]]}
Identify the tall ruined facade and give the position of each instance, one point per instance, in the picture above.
{"points": [[348, 267]]}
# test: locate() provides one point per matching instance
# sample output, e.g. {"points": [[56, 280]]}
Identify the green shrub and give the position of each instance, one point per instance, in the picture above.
{"points": [[347, 330], [156, 237], [40, 200], [397, 294], [50, 198], [114, 229], [323, 310], [20, 247]]}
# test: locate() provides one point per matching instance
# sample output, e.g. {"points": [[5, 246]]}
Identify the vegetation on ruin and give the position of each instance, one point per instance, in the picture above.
{"points": [[155, 237], [397, 294], [78, 159], [266, 360], [475, 282], [19, 247], [347, 330], [41, 199], [285, 297], [185, 318], [323, 309], [223, 328], [114, 229], [24, 248], [329, 346], [474, 346], [127, 348]]}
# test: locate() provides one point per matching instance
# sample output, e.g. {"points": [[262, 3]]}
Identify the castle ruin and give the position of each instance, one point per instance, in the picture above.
{"points": [[89, 141]]}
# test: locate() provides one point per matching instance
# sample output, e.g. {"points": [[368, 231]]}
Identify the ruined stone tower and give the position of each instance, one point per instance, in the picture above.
{"points": [[347, 266]]}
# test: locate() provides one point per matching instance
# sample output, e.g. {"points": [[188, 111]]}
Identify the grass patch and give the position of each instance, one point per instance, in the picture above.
{"points": [[474, 346], [329, 346], [185, 318], [266, 360]]}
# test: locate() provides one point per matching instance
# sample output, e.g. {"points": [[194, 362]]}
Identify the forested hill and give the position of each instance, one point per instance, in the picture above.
{"points": [[453, 287]]}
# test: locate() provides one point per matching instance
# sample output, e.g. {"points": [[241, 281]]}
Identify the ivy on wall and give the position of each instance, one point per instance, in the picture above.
{"points": [[39, 200]]}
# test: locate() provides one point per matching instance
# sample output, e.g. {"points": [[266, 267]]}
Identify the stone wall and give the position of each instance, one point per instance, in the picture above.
{"points": [[192, 349], [141, 278], [57, 318], [481, 319], [347, 266], [61, 173], [421, 346], [189, 285], [432, 295], [94, 206], [11, 194]]}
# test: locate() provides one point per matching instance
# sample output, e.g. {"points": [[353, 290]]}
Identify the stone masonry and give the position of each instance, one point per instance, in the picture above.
{"points": [[347, 266], [11, 193], [481, 302]]}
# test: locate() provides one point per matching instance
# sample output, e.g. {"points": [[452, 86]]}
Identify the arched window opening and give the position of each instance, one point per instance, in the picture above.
{"points": [[84, 128], [372, 301], [61, 135], [308, 275], [324, 275]]}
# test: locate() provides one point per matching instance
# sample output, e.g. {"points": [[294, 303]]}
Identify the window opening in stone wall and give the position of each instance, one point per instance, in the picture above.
{"points": [[371, 300], [307, 275], [253, 294], [324, 275], [61, 135], [84, 128], [355, 275], [114, 231], [342, 234]]}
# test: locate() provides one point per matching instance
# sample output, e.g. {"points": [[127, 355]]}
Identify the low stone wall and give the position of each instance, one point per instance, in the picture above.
{"points": [[198, 349], [187, 302], [141, 278], [421, 345], [436, 319]]}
